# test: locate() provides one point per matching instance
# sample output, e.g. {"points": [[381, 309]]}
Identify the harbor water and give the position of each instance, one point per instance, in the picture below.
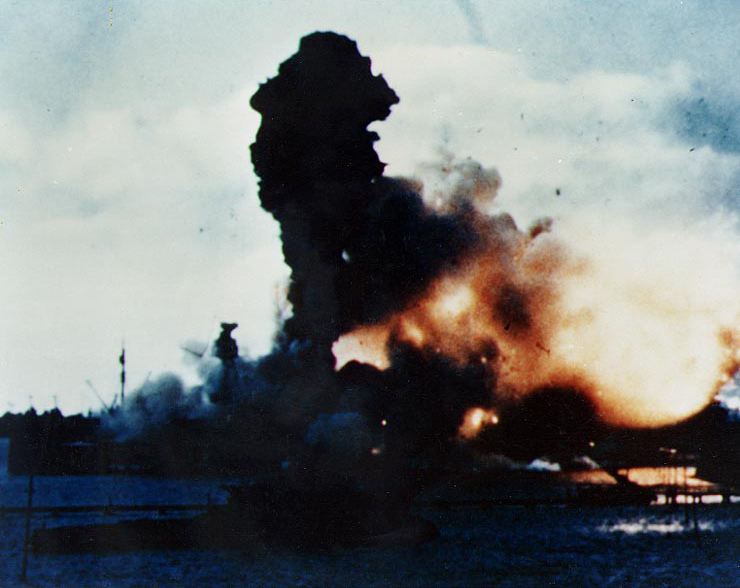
{"points": [[496, 546]]}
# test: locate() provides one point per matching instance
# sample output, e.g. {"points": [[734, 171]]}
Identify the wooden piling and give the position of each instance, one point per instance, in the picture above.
{"points": [[27, 535]]}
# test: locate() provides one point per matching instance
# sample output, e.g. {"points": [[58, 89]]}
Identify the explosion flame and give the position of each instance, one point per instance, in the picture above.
{"points": [[644, 324], [425, 316]]}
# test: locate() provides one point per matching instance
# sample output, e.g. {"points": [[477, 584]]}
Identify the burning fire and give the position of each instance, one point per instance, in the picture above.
{"points": [[640, 316], [474, 421], [365, 344], [644, 323]]}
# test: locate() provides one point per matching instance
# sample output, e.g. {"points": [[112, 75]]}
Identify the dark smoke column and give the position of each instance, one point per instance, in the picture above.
{"points": [[317, 164]]}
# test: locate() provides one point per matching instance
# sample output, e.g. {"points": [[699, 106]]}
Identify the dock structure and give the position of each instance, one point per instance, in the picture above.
{"points": [[674, 494], [104, 509]]}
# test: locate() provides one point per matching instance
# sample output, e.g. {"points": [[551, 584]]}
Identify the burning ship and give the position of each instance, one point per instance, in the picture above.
{"points": [[326, 457], [420, 324]]}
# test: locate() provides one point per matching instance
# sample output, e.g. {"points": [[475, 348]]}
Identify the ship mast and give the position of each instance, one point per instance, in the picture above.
{"points": [[122, 360]]}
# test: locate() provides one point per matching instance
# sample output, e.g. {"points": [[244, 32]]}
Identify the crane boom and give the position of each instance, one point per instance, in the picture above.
{"points": [[90, 384]]}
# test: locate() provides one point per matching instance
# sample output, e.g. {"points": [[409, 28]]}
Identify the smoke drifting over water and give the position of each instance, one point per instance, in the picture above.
{"points": [[424, 314]]}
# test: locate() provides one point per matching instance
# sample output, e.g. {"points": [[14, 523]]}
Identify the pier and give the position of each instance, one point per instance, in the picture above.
{"points": [[105, 509]]}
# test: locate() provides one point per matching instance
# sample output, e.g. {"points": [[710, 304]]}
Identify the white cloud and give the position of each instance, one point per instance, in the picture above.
{"points": [[600, 138], [130, 225], [16, 144]]}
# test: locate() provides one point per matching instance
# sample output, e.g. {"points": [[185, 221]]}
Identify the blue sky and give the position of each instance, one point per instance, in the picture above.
{"points": [[129, 208]]}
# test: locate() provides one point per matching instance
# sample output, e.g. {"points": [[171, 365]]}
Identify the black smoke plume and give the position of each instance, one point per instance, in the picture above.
{"points": [[360, 246]]}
